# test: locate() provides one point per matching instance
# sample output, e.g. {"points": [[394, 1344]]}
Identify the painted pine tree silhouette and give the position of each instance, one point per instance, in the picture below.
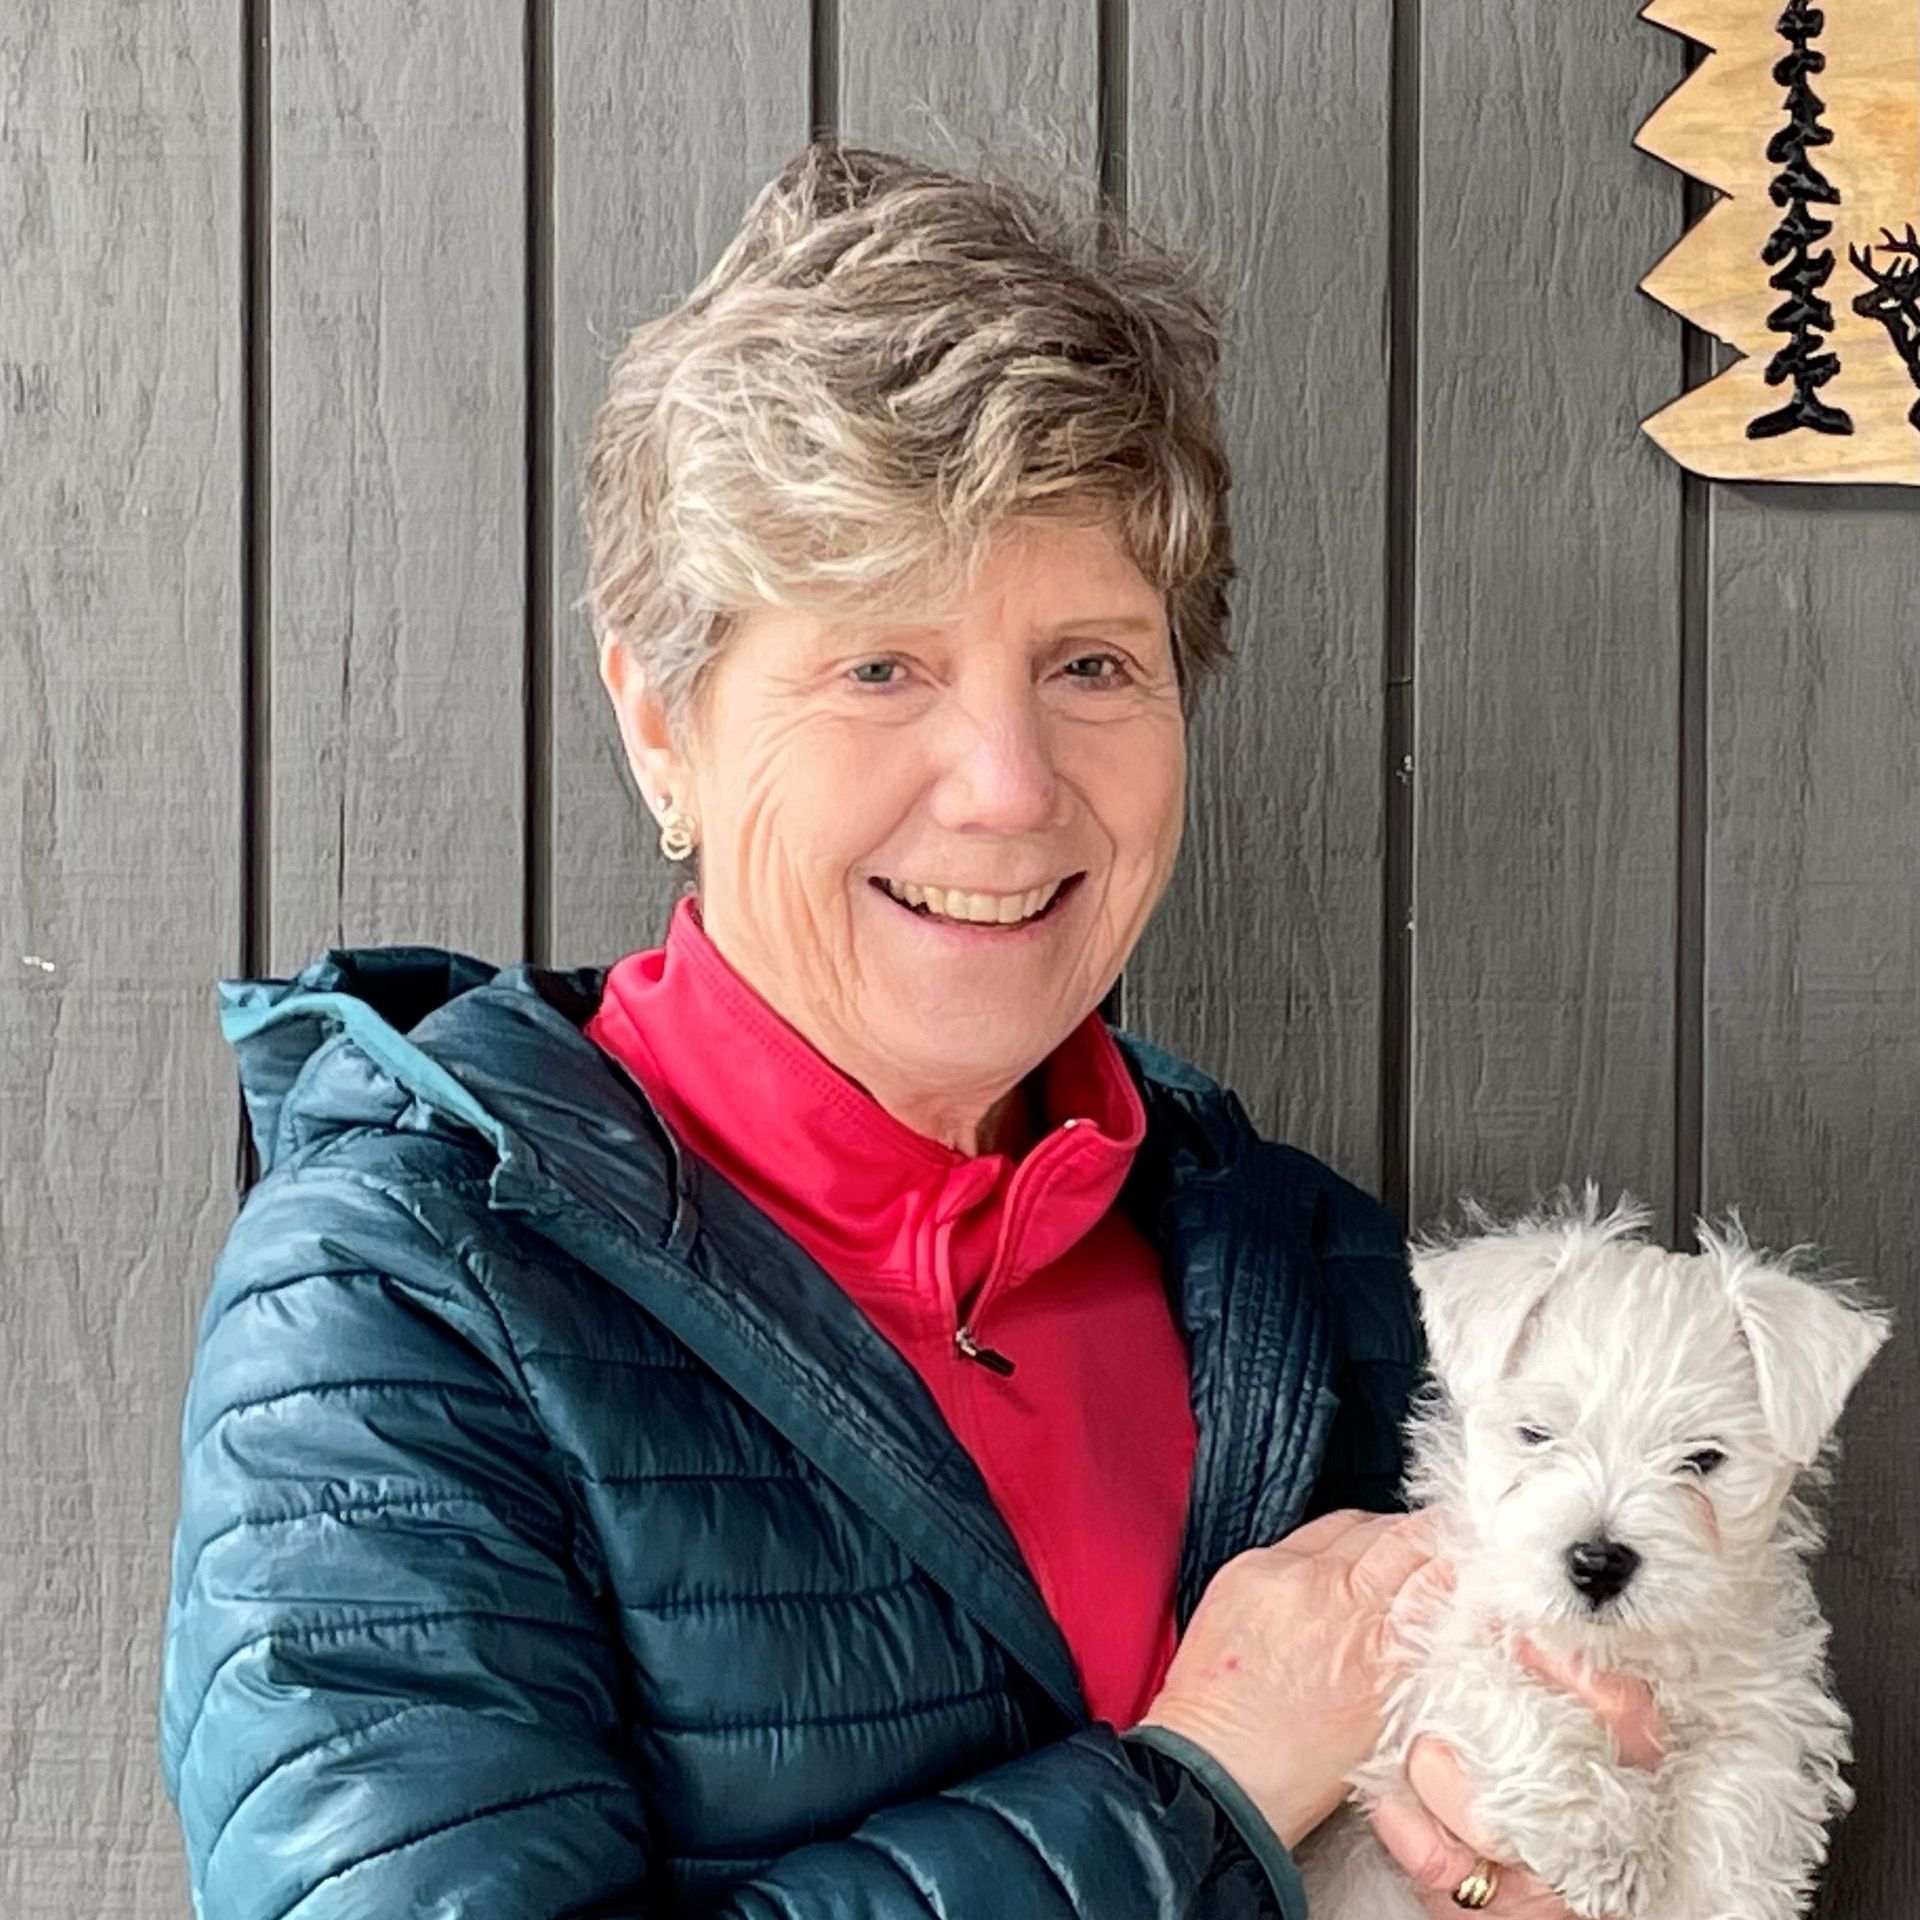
{"points": [[1805, 317]]}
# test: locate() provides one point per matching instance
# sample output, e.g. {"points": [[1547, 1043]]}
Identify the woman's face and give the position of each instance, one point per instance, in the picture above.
{"points": [[932, 843]]}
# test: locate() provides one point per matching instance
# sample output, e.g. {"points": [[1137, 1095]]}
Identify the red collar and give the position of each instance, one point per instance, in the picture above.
{"points": [[861, 1190]]}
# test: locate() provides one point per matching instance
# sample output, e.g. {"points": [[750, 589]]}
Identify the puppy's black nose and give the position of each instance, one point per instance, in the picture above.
{"points": [[1600, 1568]]}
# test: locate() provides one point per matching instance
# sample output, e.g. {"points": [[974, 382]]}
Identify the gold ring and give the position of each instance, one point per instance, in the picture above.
{"points": [[1479, 1887]]}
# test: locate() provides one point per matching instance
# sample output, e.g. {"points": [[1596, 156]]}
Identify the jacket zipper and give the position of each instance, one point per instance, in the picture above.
{"points": [[969, 1348], [965, 1342]]}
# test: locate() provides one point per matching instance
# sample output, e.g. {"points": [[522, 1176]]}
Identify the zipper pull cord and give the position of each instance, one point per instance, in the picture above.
{"points": [[970, 1349]]}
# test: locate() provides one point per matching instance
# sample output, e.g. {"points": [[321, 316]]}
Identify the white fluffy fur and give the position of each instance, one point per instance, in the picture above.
{"points": [[1631, 1358]]}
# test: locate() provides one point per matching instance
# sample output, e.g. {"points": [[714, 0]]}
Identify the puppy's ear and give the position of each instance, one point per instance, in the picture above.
{"points": [[1478, 1294], [1810, 1342], [1475, 1300]]}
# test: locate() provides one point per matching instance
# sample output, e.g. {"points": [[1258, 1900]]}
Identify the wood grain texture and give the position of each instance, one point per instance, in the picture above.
{"points": [[1246, 124], [119, 893], [1813, 1042], [1000, 82], [1548, 589], [398, 529], [667, 120]]}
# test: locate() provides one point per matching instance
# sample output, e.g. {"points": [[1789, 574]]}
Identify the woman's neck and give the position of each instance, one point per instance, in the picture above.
{"points": [[1008, 1126]]}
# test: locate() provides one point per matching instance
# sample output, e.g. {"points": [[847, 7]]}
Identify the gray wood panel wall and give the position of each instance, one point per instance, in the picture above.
{"points": [[1561, 817]]}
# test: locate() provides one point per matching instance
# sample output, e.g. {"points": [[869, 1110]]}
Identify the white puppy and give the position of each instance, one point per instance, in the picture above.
{"points": [[1617, 1448]]}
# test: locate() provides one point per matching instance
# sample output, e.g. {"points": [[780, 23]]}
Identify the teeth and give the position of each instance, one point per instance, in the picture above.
{"points": [[982, 909]]}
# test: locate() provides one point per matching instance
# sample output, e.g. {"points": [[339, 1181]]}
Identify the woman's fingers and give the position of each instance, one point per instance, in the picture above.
{"points": [[1622, 1703], [1437, 1777], [1424, 1850], [1436, 1861]]}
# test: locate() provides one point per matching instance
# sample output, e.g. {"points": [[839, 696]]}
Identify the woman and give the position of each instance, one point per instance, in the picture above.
{"points": [[798, 1422]]}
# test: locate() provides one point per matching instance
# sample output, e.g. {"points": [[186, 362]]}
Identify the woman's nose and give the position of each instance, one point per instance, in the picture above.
{"points": [[1002, 775]]}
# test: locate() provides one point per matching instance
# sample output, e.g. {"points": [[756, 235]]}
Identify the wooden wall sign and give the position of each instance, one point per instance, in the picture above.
{"points": [[1807, 119]]}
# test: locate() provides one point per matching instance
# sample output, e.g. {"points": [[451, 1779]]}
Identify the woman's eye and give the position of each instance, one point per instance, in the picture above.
{"points": [[1098, 669], [873, 673], [1704, 1462], [1532, 1436]]}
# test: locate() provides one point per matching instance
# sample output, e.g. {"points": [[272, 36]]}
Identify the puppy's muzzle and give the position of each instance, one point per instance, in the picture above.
{"points": [[1601, 1568]]}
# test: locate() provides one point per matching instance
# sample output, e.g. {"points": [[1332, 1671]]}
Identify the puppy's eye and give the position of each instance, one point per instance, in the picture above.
{"points": [[1704, 1462], [1532, 1436]]}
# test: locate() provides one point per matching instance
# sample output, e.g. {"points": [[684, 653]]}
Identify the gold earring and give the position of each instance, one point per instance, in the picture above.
{"points": [[676, 834]]}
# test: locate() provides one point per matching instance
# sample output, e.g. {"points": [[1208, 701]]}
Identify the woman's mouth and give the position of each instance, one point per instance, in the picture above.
{"points": [[963, 907]]}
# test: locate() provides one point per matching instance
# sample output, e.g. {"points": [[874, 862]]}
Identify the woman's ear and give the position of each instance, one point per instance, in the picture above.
{"points": [[658, 768], [1810, 1342]]}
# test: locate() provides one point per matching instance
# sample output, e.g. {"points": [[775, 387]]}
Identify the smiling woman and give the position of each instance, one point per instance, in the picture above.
{"points": [[754, 1429], [931, 850]]}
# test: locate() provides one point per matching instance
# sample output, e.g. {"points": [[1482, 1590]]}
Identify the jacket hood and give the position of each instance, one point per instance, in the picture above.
{"points": [[278, 1027]]}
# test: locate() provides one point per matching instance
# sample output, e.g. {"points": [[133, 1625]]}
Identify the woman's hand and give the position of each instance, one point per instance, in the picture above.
{"points": [[1433, 1833], [1281, 1674]]}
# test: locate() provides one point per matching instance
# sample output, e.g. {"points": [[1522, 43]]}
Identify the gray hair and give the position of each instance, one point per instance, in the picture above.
{"points": [[888, 362]]}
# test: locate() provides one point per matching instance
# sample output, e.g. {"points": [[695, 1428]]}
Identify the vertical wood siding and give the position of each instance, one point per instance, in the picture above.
{"points": [[1245, 125], [120, 891], [1812, 978], [1559, 817], [1545, 609], [397, 473]]}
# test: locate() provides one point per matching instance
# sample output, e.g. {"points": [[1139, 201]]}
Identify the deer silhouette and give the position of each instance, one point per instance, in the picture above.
{"points": [[1894, 297]]}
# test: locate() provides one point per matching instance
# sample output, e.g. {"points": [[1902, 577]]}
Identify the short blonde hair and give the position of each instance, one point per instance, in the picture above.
{"points": [[888, 361]]}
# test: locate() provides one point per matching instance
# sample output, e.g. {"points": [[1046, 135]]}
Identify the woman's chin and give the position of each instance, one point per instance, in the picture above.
{"points": [[943, 990]]}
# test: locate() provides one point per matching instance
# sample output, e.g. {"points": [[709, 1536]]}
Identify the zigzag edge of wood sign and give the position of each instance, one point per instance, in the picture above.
{"points": [[1807, 120]]}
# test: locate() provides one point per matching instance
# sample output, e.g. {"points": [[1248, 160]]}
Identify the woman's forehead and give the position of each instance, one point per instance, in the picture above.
{"points": [[1048, 579]]}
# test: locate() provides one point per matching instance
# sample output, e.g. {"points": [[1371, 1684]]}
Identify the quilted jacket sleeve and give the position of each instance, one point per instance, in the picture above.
{"points": [[388, 1690]]}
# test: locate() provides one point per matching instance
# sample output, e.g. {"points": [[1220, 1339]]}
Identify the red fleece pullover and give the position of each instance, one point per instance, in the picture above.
{"points": [[1087, 1444]]}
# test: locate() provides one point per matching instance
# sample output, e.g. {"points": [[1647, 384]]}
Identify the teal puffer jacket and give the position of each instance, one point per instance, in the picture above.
{"points": [[556, 1539]]}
